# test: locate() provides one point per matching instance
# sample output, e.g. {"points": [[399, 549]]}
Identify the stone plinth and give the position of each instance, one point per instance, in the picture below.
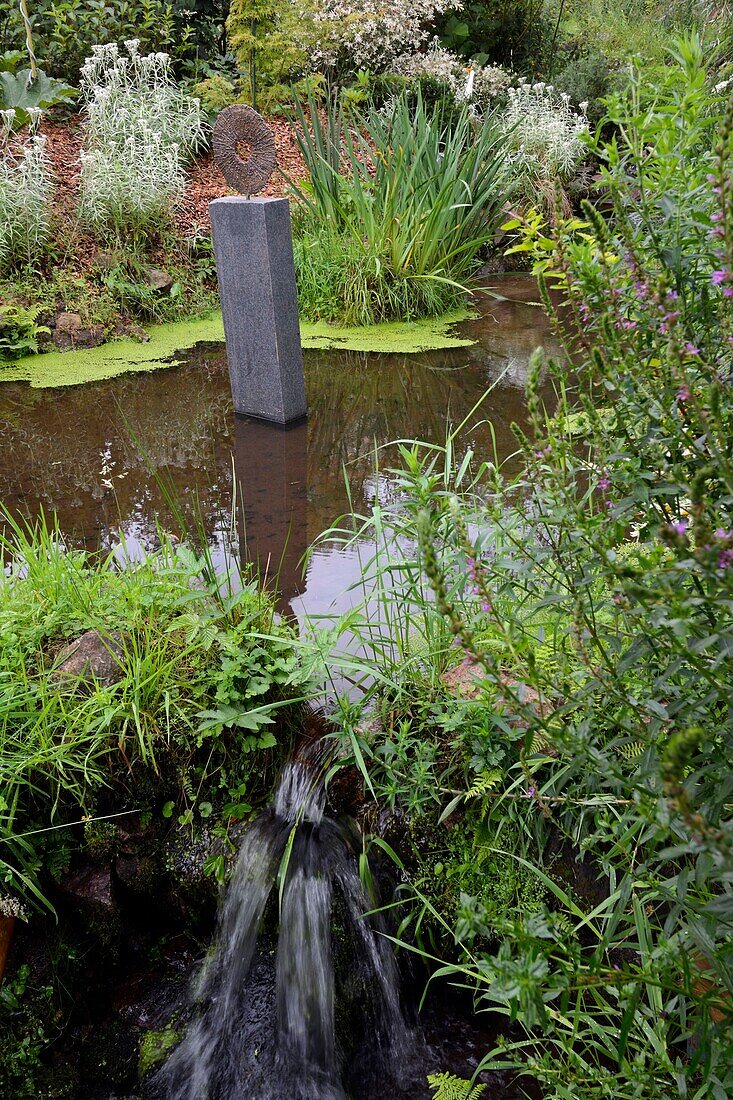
{"points": [[254, 261]]}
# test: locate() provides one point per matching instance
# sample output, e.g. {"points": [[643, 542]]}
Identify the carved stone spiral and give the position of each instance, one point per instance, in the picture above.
{"points": [[241, 123]]}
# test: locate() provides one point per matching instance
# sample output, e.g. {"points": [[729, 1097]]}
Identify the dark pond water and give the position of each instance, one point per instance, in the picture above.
{"points": [[87, 453]]}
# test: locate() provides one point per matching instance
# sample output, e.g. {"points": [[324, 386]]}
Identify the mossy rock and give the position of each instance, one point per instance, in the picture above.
{"points": [[155, 1046]]}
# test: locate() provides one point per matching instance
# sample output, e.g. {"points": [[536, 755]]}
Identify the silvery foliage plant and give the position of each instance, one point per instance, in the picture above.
{"points": [[141, 129], [26, 187], [544, 131]]}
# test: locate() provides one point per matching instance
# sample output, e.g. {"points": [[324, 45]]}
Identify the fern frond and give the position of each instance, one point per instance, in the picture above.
{"points": [[446, 1086], [484, 784]]}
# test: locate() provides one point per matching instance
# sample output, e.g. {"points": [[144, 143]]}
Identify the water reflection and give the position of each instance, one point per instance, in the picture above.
{"points": [[87, 453]]}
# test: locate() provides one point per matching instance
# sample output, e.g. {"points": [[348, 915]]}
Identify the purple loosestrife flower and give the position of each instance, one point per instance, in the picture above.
{"points": [[603, 483], [718, 277], [679, 528]]}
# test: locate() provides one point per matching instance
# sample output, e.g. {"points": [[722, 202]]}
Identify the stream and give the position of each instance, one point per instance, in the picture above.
{"points": [[107, 459]]}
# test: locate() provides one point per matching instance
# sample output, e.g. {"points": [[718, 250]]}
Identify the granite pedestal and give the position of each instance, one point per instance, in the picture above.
{"points": [[254, 261]]}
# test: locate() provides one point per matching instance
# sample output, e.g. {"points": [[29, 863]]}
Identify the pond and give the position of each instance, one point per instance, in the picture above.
{"points": [[89, 453]]}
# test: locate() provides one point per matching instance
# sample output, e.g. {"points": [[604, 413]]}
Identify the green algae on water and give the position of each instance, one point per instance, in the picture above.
{"points": [[72, 368], [396, 337]]}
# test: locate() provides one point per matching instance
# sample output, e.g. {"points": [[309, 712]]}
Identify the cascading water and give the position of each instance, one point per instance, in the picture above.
{"points": [[253, 1039]]}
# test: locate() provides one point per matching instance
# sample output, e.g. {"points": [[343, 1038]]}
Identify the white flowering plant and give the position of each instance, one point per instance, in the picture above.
{"points": [[468, 82], [368, 34], [140, 130], [26, 187]]}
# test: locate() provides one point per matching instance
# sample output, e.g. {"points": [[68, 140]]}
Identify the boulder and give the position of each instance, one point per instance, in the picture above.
{"points": [[69, 332], [93, 657], [158, 279]]}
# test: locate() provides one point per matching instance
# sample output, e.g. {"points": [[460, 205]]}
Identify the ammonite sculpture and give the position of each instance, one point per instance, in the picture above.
{"points": [[241, 124]]}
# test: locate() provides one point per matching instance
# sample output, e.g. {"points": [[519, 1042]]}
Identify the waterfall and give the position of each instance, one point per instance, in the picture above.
{"points": [[255, 1038]]}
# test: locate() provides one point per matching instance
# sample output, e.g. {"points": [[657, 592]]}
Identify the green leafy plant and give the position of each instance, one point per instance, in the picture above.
{"points": [[66, 30], [22, 93], [204, 672], [401, 203], [20, 331], [446, 1086], [589, 600]]}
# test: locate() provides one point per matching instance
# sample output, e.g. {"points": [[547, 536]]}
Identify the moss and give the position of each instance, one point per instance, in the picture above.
{"points": [[155, 1046], [56, 369]]}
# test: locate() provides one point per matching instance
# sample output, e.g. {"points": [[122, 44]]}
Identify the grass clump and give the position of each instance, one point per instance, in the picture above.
{"points": [[189, 714], [398, 207]]}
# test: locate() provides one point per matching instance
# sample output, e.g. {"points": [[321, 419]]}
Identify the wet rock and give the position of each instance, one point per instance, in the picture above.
{"points": [[110, 1057], [195, 893], [469, 681], [94, 657], [155, 1046], [346, 791], [91, 888], [90, 893], [142, 875], [69, 332], [158, 279]]}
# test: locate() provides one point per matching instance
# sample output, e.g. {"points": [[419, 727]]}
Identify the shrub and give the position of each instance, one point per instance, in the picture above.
{"points": [[516, 33], [25, 195], [367, 34], [140, 129], [415, 201], [594, 619], [65, 32], [479, 85], [589, 79], [270, 40]]}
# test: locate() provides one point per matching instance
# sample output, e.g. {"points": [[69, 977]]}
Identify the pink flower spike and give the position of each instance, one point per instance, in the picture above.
{"points": [[718, 277], [679, 527]]}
